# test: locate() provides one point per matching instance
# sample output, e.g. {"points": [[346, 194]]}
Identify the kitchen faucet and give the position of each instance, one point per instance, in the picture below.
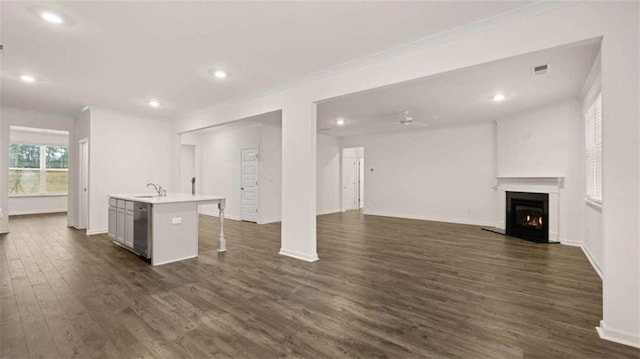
{"points": [[161, 191]]}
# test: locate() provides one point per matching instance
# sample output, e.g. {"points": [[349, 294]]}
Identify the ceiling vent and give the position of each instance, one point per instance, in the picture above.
{"points": [[540, 70]]}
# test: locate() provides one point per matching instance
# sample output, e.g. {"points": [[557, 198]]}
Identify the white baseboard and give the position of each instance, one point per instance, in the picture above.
{"points": [[618, 336], [429, 218], [43, 211], [215, 214], [267, 221], [592, 260], [93, 232], [174, 260], [299, 255], [329, 211], [4, 231], [586, 252]]}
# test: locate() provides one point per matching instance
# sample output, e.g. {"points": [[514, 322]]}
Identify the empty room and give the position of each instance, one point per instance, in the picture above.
{"points": [[435, 179]]}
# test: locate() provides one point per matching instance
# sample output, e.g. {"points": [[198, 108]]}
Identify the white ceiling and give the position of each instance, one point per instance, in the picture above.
{"points": [[121, 54], [463, 95]]}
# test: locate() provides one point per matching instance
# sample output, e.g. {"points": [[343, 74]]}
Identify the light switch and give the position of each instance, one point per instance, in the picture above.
{"points": [[176, 220]]}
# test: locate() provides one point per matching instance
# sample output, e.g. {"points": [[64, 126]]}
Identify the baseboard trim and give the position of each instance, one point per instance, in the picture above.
{"points": [[94, 232], [26, 213], [592, 260], [216, 214], [299, 255], [428, 218], [587, 254], [329, 211], [618, 336], [5, 231], [267, 221], [174, 260]]}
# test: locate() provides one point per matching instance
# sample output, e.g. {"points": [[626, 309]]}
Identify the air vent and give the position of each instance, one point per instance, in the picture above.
{"points": [[540, 70]]}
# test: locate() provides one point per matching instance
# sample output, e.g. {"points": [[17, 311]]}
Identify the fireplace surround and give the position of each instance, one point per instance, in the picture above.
{"points": [[527, 216]]}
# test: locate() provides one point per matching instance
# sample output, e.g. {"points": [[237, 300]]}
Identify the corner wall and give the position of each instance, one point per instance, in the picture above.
{"points": [[125, 152], [19, 117], [548, 142], [426, 174]]}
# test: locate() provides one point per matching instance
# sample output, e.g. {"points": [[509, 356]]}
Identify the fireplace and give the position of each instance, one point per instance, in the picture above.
{"points": [[527, 216]]}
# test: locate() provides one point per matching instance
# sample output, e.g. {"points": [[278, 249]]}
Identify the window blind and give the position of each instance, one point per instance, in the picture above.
{"points": [[593, 147]]}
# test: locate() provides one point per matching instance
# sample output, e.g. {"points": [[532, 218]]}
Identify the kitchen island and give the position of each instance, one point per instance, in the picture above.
{"points": [[161, 229]]}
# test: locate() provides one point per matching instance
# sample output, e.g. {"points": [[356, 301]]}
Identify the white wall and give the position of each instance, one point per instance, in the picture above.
{"points": [[25, 118], [187, 167], [548, 142], [33, 204], [539, 26], [218, 166], [126, 152], [37, 204], [270, 209], [221, 165], [328, 175], [426, 174]]}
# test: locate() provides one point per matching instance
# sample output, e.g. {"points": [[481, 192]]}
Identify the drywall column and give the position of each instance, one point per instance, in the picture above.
{"points": [[621, 175], [4, 173], [299, 181]]}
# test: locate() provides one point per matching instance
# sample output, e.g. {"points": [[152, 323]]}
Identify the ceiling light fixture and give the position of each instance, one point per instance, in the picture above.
{"points": [[52, 17], [499, 97], [219, 74], [28, 79], [154, 103], [340, 122]]}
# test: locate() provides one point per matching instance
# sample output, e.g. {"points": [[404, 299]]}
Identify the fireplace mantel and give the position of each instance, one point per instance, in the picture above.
{"points": [[553, 185], [539, 184]]}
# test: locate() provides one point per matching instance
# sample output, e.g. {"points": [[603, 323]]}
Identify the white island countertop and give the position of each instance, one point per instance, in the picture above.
{"points": [[171, 224], [170, 198]]}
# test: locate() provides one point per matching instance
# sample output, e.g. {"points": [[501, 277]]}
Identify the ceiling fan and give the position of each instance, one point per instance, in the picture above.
{"points": [[407, 120]]}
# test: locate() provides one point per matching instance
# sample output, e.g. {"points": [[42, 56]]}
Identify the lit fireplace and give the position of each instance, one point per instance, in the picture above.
{"points": [[527, 216]]}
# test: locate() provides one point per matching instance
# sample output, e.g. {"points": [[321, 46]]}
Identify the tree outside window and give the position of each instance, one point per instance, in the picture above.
{"points": [[35, 169]]}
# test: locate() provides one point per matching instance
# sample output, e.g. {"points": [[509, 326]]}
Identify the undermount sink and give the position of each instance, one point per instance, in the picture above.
{"points": [[146, 196]]}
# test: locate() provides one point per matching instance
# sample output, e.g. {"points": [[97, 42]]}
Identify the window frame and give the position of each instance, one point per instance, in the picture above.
{"points": [[42, 191], [593, 149]]}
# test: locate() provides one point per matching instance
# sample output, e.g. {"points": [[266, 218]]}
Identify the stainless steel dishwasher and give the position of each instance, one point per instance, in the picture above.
{"points": [[142, 229]]}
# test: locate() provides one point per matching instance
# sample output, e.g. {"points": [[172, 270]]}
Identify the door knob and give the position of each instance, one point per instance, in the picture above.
{"points": [[242, 188]]}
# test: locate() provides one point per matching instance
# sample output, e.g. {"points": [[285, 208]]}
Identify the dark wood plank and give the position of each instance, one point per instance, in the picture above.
{"points": [[384, 287]]}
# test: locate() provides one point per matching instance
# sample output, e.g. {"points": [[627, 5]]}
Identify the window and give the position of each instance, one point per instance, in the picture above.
{"points": [[35, 169], [593, 136]]}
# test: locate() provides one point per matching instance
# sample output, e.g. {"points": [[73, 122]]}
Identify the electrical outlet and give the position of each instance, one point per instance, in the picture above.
{"points": [[176, 220]]}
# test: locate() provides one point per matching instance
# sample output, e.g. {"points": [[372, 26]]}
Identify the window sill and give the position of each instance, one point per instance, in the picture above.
{"points": [[38, 195], [593, 204]]}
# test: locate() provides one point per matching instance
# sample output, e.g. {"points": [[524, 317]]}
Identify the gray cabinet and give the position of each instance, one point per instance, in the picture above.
{"points": [[128, 227], [120, 221], [112, 219]]}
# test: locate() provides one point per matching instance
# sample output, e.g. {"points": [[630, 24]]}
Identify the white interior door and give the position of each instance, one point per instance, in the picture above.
{"points": [[83, 205], [361, 183], [188, 167], [349, 181], [249, 185]]}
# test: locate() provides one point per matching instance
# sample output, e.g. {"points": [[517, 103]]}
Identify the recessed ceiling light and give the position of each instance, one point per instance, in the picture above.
{"points": [[154, 103], [28, 79], [499, 97], [51, 17], [219, 74], [340, 122]]}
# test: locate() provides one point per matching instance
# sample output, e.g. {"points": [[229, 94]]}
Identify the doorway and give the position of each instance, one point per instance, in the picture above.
{"points": [[352, 178], [249, 184], [38, 171], [187, 168], [83, 198]]}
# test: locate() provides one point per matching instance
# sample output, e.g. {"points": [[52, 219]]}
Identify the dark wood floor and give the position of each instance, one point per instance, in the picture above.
{"points": [[383, 287]]}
